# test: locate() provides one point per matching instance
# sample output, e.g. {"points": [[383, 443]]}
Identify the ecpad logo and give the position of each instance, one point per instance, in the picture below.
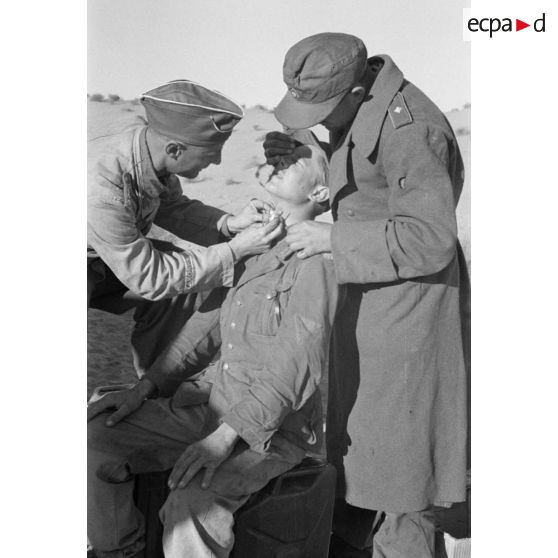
{"points": [[493, 25]]}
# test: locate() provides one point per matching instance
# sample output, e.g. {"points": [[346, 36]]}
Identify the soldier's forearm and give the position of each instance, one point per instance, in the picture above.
{"points": [[147, 388]]}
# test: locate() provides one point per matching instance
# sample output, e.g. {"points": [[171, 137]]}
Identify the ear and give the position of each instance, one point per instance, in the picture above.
{"points": [[319, 194], [358, 92], [174, 149]]}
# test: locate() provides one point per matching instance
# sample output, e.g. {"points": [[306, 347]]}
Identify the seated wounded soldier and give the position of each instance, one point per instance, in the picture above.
{"points": [[250, 415]]}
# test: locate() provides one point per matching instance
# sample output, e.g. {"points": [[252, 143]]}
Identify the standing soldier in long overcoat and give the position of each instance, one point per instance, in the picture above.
{"points": [[132, 184], [397, 409]]}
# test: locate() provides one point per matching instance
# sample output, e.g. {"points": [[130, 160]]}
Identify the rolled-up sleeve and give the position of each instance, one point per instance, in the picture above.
{"points": [[420, 235], [296, 360], [146, 271]]}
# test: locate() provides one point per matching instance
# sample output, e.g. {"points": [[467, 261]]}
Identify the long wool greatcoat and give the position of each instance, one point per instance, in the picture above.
{"points": [[397, 412]]}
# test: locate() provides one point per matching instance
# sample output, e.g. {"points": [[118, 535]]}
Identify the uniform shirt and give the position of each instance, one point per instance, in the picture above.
{"points": [[273, 332], [125, 197]]}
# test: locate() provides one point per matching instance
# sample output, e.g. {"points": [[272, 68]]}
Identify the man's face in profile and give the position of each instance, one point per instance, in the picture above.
{"points": [[293, 177], [193, 159]]}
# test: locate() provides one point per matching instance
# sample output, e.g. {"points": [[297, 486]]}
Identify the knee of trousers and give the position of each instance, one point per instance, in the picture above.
{"points": [[104, 464], [96, 431], [101, 437], [194, 507], [180, 306]]}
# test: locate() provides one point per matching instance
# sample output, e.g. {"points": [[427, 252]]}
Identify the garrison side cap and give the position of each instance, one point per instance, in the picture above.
{"points": [[189, 112]]}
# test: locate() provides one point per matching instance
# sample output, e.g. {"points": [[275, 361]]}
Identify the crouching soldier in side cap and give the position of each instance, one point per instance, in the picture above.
{"points": [[133, 183], [251, 415], [397, 408]]}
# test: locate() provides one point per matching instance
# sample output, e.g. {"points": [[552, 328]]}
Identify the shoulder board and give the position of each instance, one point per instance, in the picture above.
{"points": [[399, 111]]}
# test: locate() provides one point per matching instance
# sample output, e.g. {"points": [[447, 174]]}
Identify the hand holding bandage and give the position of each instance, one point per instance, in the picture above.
{"points": [[252, 213], [277, 145], [257, 239]]}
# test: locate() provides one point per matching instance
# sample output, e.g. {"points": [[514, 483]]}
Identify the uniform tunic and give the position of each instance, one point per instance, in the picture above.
{"points": [[125, 198], [397, 419], [273, 331]]}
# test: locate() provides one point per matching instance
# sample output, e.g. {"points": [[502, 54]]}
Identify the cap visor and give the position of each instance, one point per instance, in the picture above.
{"points": [[297, 115]]}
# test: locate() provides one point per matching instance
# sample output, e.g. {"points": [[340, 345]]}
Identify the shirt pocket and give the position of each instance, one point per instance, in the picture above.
{"points": [[270, 299]]}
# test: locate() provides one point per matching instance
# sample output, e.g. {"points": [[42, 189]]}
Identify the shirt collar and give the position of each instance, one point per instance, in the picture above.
{"points": [[275, 256], [282, 251], [367, 124], [148, 179], [271, 260]]}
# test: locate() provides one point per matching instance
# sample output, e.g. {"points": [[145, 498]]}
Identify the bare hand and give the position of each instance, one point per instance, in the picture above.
{"points": [[252, 213], [206, 454], [125, 402], [277, 145], [256, 239], [308, 238]]}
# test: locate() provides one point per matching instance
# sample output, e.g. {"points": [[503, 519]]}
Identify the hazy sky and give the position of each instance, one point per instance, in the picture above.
{"points": [[238, 46]]}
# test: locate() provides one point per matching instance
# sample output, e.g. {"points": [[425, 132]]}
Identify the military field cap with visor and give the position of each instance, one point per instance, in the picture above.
{"points": [[191, 113], [319, 71]]}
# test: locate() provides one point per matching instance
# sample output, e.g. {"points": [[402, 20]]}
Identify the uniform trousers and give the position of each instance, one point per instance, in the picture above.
{"points": [[361, 533], [156, 323], [198, 523]]}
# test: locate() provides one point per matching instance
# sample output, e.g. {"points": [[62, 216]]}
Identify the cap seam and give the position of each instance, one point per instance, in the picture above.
{"points": [[203, 87], [311, 102], [180, 103], [333, 96], [350, 59], [208, 89]]}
